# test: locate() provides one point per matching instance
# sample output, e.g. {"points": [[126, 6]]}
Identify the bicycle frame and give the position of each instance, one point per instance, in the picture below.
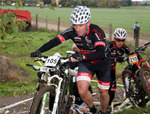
{"points": [[48, 78]]}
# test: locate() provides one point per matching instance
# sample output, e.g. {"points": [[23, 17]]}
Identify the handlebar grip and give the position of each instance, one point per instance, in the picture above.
{"points": [[147, 44], [29, 65], [44, 56]]}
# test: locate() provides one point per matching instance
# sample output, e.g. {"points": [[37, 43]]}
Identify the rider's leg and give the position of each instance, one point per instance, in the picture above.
{"points": [[104, 99], [112, 88], [86, 96], [104, 84]]}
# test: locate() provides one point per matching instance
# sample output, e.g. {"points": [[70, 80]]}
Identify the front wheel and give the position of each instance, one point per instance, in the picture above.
{"points": [[144, 76], [44, 100], [133, 89]]}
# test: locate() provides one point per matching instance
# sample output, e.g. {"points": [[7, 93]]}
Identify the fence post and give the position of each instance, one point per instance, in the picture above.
{"points": [[58, 24], [36, 21], [47, 22], [110, 31], [137, 37]]}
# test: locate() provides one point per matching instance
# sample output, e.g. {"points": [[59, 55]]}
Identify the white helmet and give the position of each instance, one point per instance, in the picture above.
{"points": [[120, 33], [80, 15]]}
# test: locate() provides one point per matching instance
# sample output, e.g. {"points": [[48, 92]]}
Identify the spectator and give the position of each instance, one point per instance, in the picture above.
{"points": [[136, 25]]}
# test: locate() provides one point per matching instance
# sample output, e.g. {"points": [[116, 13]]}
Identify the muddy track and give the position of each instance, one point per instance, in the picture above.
{"points": [[23, 108]]}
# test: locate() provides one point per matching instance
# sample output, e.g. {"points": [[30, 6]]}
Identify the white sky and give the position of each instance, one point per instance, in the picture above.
{"points": [[139, 0]]}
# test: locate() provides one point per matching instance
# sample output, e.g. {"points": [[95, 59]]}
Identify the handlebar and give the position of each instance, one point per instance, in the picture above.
{"points": [[141, 48], [29, 65], [147, 44], [44, 58]]}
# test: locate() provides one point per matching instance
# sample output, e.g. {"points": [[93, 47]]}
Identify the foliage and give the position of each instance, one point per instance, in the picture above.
{"points": [[112, 4], [9, 24]]}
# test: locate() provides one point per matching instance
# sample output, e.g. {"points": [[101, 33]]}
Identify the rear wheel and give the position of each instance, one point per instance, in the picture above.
{"points": [[144, 76], [46, 96], [133, 89]]}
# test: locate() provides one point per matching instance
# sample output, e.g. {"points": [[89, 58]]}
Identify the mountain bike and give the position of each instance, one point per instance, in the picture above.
{"points": [[134, 77], [54, 88], [144, 74]]}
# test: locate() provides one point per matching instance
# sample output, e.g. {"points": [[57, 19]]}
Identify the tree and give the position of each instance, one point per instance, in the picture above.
{"points": [[129, 2], [112, 4]]}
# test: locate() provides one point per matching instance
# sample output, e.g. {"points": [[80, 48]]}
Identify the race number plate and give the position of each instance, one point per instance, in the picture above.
{"points": [[133, 59], [51, 61]]}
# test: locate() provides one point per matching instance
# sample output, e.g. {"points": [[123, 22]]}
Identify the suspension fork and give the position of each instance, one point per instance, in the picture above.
{"points": [[57, 90]]}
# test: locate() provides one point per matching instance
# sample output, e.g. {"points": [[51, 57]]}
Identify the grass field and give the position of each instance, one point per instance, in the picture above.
{"points": [[122, 17]]}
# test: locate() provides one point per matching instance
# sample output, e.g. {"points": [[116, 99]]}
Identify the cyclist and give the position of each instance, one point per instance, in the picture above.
{"points": [[94, 58], [73, 72], [118, 48]]}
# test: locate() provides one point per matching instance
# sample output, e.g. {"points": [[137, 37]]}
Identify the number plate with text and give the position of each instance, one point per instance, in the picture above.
{"points": [[133, 59], [51, 61]]}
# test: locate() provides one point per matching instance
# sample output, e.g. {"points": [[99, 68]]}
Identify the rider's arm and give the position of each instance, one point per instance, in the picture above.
{"points": [[52, 43], [57, 40], [98, 39], [127, 49], [99, 54]]}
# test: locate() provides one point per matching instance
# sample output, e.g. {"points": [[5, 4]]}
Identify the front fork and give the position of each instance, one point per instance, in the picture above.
{"points": [[57, 91]]}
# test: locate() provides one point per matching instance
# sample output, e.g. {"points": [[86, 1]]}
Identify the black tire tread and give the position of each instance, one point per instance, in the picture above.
{"points": [[147, 91], [140, 95], [38, 97]]}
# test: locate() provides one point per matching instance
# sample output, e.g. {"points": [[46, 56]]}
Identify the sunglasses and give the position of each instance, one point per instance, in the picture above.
{"points": [[120, 40]]}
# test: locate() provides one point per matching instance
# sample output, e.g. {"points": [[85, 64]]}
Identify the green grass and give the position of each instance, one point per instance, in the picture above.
{"points": [[145, 110], [123, 17], [34, 40], [19, 53], [17, 88]]}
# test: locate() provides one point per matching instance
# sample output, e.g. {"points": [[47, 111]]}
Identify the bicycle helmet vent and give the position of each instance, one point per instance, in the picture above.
{"points": [[80, 15], [120, 33]]}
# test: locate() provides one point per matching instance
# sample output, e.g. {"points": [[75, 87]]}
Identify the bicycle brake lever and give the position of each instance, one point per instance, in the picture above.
{"points": [[29, 65]]}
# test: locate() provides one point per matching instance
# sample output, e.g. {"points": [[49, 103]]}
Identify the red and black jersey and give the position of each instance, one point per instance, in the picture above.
{"points": [[116, 52], [93, 44]]}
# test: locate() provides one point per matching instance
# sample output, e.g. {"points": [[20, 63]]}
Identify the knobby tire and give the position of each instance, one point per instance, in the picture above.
{"points": [[35, 108], [133, 89], [144, 76], [64, 101]]}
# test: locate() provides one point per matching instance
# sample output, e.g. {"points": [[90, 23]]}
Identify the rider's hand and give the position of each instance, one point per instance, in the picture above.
{"points": [[36, 54], [73, 59], [119, 59], [78, 57]]}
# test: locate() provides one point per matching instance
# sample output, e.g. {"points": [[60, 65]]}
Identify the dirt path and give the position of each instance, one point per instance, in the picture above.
{"points": [[24, 107], [64, 26], [10, 104]]}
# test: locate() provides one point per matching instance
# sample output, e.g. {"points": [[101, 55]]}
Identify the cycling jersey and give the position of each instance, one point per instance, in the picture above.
{"points": [[116, 52], [92, 44]]}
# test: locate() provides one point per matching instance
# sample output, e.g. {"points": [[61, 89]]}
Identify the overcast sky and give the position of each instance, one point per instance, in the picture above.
{"points": [[139, 0]]}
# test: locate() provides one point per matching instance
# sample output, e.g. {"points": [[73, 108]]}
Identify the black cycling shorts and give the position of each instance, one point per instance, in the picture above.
{"points": [[102, 70]]}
